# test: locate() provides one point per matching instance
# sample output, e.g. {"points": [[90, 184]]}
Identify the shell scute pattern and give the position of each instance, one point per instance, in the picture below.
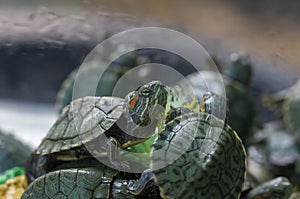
{"points": [[80, 122], [212, 146], [73, 183]]}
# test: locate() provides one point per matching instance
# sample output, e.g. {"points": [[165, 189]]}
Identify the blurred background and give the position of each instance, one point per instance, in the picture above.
{"points": [[41, 42]]}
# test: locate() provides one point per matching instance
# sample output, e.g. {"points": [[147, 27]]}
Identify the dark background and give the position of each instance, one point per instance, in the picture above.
{"points": [[40, 43]]}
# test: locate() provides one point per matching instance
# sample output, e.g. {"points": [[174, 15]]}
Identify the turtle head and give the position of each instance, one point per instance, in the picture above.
{"points": [[215, 104], [239, 69], [147, 102]]}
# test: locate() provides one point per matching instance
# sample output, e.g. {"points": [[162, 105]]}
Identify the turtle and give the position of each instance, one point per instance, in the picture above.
{"points": [[13, 152], [93, 125], [190, 157], [95, 118], [289, 99], [139, 106], [274, 152], [89, 71], [99, 181], [235, 79], [210, 103], [188, 175], [279, 187]]}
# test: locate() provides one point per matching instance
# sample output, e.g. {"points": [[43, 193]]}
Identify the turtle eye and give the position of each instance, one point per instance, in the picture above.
{"points": [[146, 92]]}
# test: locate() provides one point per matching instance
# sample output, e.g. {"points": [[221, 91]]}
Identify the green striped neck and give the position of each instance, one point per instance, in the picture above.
{"points": [[174, 99]]}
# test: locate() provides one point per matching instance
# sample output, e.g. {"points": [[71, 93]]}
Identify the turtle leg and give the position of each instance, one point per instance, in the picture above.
{"points": [[114, 152], [106, 149], [138, 187]]}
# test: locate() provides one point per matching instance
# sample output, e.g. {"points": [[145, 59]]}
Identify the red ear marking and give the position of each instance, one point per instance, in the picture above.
{"points": [[132, 103]]}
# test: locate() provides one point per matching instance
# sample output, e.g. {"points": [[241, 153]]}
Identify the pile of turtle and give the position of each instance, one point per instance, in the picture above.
{"points": [[160, 142]]}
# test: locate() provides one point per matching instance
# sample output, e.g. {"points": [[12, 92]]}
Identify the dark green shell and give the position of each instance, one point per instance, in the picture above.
{"points": [[198, 156], [12, 151], [105, 85], [73, 183], [89, 71], [82, 121], [94, 182], [239, 69], [242, 111]]}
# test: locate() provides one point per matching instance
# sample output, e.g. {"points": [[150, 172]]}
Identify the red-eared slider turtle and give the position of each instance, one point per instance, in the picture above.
{"points": [[290, 100], [63, 147], [57, 154], [12, 151], [196, 155], [210, 103], [236, 78], [90, 126]]}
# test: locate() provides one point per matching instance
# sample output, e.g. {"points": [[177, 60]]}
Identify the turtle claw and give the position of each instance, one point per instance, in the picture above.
{"points": [[137, 188]]}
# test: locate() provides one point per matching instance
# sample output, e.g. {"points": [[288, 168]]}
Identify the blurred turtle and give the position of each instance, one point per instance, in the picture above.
{"points": [[274, 153], [289, 99], [13, 152], [234, 86], [279, 187], [89, 72]]}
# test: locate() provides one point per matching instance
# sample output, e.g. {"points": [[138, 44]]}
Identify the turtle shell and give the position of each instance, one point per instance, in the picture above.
{"points": [[198, 156], [73, 183], [88, 183], [80, 122], [242, 111], [89, 73]]}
